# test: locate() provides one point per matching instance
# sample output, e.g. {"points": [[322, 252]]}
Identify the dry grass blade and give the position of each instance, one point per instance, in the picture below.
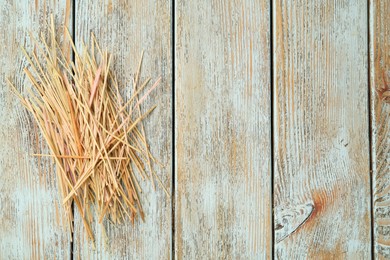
{"points": [[96, 139]]}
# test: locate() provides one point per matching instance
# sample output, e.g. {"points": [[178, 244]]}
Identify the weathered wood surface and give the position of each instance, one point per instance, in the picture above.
{"points": [[223, 195], [222, 129], [321, 130], [31, 215], [380, 115], [126, 28]]}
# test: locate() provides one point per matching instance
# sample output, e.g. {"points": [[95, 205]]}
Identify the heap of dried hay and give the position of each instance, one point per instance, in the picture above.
{"points": [[96, 139]]}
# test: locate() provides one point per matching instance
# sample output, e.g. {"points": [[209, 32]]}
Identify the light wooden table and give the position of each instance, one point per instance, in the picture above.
{"points": [[274, 141]]}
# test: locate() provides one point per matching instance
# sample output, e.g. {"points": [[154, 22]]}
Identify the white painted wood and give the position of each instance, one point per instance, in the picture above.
{"points": [[321, 178], [380, 115], [223, 130], [126, 28], [33, 224]]}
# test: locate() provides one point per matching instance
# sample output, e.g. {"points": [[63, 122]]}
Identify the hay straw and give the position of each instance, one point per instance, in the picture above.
{"points": [[96, 139]]}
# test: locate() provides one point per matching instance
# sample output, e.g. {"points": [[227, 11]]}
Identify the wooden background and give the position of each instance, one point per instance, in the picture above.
{"points": [[275, 141]]}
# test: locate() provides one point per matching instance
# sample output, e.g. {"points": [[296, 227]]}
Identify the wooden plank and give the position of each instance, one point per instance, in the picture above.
{"points": [[126, 28], [222, 126], [321, 180], [31, 216], [380, 113]]}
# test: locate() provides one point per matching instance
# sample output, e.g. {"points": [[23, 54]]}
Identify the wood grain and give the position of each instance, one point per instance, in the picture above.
{"points": [[321, 179], [380, 115], [222, 126], [33, 225], [126, 28]]}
